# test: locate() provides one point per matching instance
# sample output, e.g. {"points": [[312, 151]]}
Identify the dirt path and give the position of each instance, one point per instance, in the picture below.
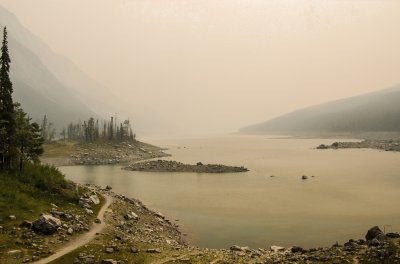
{"points": [[83, 239]]}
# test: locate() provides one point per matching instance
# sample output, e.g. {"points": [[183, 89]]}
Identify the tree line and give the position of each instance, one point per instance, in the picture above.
{"points": [[20, 139], [90, 130]]}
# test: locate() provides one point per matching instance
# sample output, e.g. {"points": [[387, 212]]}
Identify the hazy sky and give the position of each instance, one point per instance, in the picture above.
{"points": [[217, 65]]}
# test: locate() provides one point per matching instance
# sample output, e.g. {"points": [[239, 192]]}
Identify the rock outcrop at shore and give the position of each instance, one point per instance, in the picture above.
{"points": [[174, 166], [118, 153], [386, 145]]}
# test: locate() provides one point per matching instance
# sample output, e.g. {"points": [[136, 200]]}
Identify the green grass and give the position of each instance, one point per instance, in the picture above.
{"points": [[59, 149], [28, 194]]}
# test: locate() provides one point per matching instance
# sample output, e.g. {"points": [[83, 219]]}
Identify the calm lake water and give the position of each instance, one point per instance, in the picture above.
{"points": [[352, 190]]}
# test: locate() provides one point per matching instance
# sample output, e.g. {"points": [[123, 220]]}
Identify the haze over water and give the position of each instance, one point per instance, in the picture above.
{"points": [[352, 190]]}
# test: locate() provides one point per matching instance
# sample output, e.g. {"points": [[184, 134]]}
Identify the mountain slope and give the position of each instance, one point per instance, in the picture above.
{"points": [[49, 83], [373, 112], [35, 86]]}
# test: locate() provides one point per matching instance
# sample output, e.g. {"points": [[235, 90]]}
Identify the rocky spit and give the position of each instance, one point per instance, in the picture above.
{"points": [[386, 145], [174, 166], [136, 234]]}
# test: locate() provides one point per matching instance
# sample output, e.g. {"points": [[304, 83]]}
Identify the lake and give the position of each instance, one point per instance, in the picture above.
{"points": [[353, 190]]}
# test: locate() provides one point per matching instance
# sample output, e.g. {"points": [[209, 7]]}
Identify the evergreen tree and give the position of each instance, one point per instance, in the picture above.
{"points": [[28, 138], [44, 128], [7, 122]]}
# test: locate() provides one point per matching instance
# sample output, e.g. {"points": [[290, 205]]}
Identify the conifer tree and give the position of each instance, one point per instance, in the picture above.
{"points": [[7, 120]]}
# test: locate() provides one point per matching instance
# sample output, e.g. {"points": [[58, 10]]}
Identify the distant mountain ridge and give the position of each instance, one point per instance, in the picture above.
{"points": [[373, 112], [49, 83]]}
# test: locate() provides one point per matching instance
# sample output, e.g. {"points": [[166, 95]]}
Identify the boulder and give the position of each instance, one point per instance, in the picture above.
{"points": [[109, 250], [131, 216], [393, 235], [109, 261], [277, 248], [158, 214], [26, 223], [15, 251], [374, 243], [373, 233], [12, 217], [57, 213], [70, 231], [94, 199], [134, 250], [46, 224], [235, 248], [153, 250], [296, 249]]}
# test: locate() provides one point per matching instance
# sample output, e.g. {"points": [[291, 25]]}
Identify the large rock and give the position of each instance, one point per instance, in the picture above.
{"points": [[277, 248], [131, 216], [94, 199], [373, 233], [46, 224], [374, 243]]}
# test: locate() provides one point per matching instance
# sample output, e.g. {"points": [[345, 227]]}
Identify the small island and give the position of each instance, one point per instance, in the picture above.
{"points": [[386, 145], [174, 166]]}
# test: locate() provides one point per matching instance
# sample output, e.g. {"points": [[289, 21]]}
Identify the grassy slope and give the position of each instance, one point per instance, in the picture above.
{"points": [[27, 196]]}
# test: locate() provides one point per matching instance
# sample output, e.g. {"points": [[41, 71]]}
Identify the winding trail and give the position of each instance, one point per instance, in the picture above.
{"points": [[83, 239]]}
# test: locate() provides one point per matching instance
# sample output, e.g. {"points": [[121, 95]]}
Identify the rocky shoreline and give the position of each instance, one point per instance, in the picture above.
{"points": [[386, 145], [174, 166], [106, 153], [136, 234]]}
